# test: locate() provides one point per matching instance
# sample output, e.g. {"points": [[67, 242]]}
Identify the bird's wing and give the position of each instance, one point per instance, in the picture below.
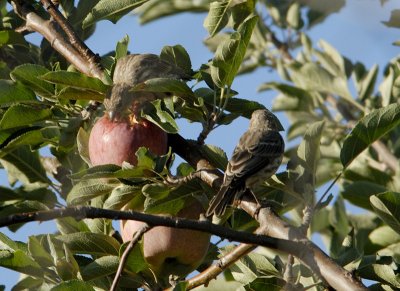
{"points": [[254, 151]]}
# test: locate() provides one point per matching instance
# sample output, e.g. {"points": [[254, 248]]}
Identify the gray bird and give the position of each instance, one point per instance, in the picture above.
{"points": [[256, 158], [132, 70]]}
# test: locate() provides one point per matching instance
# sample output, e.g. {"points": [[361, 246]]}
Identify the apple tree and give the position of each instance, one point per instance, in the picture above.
{"points": [[96, 170]]}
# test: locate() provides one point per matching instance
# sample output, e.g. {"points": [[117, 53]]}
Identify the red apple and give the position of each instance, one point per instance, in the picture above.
{"points": [[113, 142], [172, 251]]}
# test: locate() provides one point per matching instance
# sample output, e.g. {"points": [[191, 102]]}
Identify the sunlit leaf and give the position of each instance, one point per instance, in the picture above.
{"points": [[77, 285], [110, 10], [24, 165], [13, 93], [90, 243], [161, 117], [217, 17], [387, 206], [23, 115], [178, 56], [369, 129], [86, 190], [120, 196], [230, 53], [76, 80], [100, 267], [29, 74]]}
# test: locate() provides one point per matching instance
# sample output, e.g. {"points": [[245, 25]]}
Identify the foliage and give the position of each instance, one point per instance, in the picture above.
{"points": [[352, 134]]}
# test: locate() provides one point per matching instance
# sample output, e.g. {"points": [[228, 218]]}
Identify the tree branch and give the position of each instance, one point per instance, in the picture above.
{"points": [[73, 38], [136, 237], [46, 28]]}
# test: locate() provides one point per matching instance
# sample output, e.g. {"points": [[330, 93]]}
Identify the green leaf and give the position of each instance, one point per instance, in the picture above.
{"points": [[394, 20], [369, 129], [366, 85], [68, 225], [7, 244], [28, 283], [155, 113], [11, 37], [39, 253], [230, 54], [29, 75], [14, 93], [178, 56], [237, 106], [86, 190], [136, 261], [171, 85], [359, 193], [385, 88], [90, 243], [24, 165], [175, 200], [70, 93], [75, 285], [181, 286], [387, 206], [217, 17], [304, 164], [292, 98], [23, 115], [33, 136], [216, 156], [82, 142], [293, 16], [156, 9], [122, 47], [311, 76], [20, 262], [156, 191], [241, 11], [383, 236], [338, 217], [111, 10], [100, 267], [120, 196], [331, 59], [309, 149], [75, 80]]}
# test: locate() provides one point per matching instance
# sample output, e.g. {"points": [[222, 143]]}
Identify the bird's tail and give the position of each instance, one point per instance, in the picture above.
{"points": [[221, 201]]}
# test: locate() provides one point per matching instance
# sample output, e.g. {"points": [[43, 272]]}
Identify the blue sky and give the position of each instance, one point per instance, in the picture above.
{"points": [[356, 32]]}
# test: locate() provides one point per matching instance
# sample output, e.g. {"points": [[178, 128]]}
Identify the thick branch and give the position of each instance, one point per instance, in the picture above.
{"points": [[81, 212], [46, 28]]}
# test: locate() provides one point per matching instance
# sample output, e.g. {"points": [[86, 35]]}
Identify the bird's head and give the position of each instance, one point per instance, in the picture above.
{"points": [[263, 118], [118, 102]]}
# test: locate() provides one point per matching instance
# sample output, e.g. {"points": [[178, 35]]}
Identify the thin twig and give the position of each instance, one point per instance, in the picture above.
{"points": [[288, 274], [136, 237], [73, 38], [221, 265]]}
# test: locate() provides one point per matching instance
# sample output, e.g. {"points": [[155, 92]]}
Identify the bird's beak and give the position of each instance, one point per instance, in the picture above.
{"points": [[112, 115]]}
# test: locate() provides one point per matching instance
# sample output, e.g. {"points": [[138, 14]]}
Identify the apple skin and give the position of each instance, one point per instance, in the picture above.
{"points": [[113, 142], [172, 251]]}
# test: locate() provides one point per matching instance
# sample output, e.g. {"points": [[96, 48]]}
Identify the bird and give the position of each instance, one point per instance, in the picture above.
{"points": [[256, 157], [132, 70]]}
